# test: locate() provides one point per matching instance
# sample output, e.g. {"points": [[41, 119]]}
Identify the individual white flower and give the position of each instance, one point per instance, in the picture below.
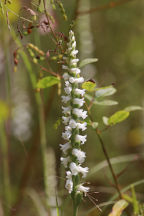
{"points": [[73, 123], [79, 101], [68, 89], [74, 45], [80, 138], [76, 80], [75, 169], [79, 154], [65, 99], [80, 113], [68, 175], [65, 161], [65, 147], [75, 70], [69, 185], [71, 34], [67, 84], [83, 171], [73, 53], [66, 76], [66, 135], [66, 110], [68, 128], [83, 189], [65, 58], [79, 91], [74, 61], [82, 126], [64, 67], [65, 119]]}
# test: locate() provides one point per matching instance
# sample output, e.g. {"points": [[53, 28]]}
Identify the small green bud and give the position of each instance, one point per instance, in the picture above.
{"points": [[35, 60]]}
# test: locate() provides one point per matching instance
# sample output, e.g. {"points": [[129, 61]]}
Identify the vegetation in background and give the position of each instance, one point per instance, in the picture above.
{"points": [[38, 63]]}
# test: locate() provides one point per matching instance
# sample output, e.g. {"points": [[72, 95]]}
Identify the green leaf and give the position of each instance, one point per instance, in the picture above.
{"points": [[106, 102], [135, 202], [127, 198], [87, 61], [133, 108], [47, 82], [105, 91], [118, 208], [4, 111], [38, 204], [101, 102], [118, 117], [89, 86], [105, 120]]}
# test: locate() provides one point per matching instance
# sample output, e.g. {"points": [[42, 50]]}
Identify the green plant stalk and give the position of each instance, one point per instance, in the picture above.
{"points": [[43, 144], [41, 114], [108, 159], [7, 62], [109, 164], [5, 170], [75, 210]]}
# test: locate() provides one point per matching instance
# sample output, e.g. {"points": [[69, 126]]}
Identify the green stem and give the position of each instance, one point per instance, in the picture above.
{"points": [[75, 209], [41, 114], [5, 170], [43, 144], [5, 42], [109, 164]]}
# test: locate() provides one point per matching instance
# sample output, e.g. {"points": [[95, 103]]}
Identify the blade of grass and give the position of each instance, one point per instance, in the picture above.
{"points": [[115, 160], [37, 202]]}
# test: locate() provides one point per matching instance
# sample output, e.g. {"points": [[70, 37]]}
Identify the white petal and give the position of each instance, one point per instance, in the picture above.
{"points": [[65, 119], [66, 135], [64, 67], [65, 147], [65, 99], [79, 154], [68, 89], [79, 101], [82, 126], [75, 169], [80, 113], [80, 138], [72, 123], [66, 76], [75, 70], [66, 110], [79, 91], [83, 189], [69, 185], [74, 61], [65, 161], [76, 80]]}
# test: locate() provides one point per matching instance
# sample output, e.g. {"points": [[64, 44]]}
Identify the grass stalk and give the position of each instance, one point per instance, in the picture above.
{"points": [[5, 170], [43, 144], [75, 209], [109, 164]]}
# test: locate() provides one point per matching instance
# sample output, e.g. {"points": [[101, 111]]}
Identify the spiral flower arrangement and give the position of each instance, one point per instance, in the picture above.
{"points": [[74, 120]]}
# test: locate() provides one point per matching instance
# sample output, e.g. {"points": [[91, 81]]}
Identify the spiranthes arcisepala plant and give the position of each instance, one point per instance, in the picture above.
{"points": [[74, 120]]}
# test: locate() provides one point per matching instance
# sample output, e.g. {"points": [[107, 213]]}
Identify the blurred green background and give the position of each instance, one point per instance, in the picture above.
{"points": [[116, 37]]}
